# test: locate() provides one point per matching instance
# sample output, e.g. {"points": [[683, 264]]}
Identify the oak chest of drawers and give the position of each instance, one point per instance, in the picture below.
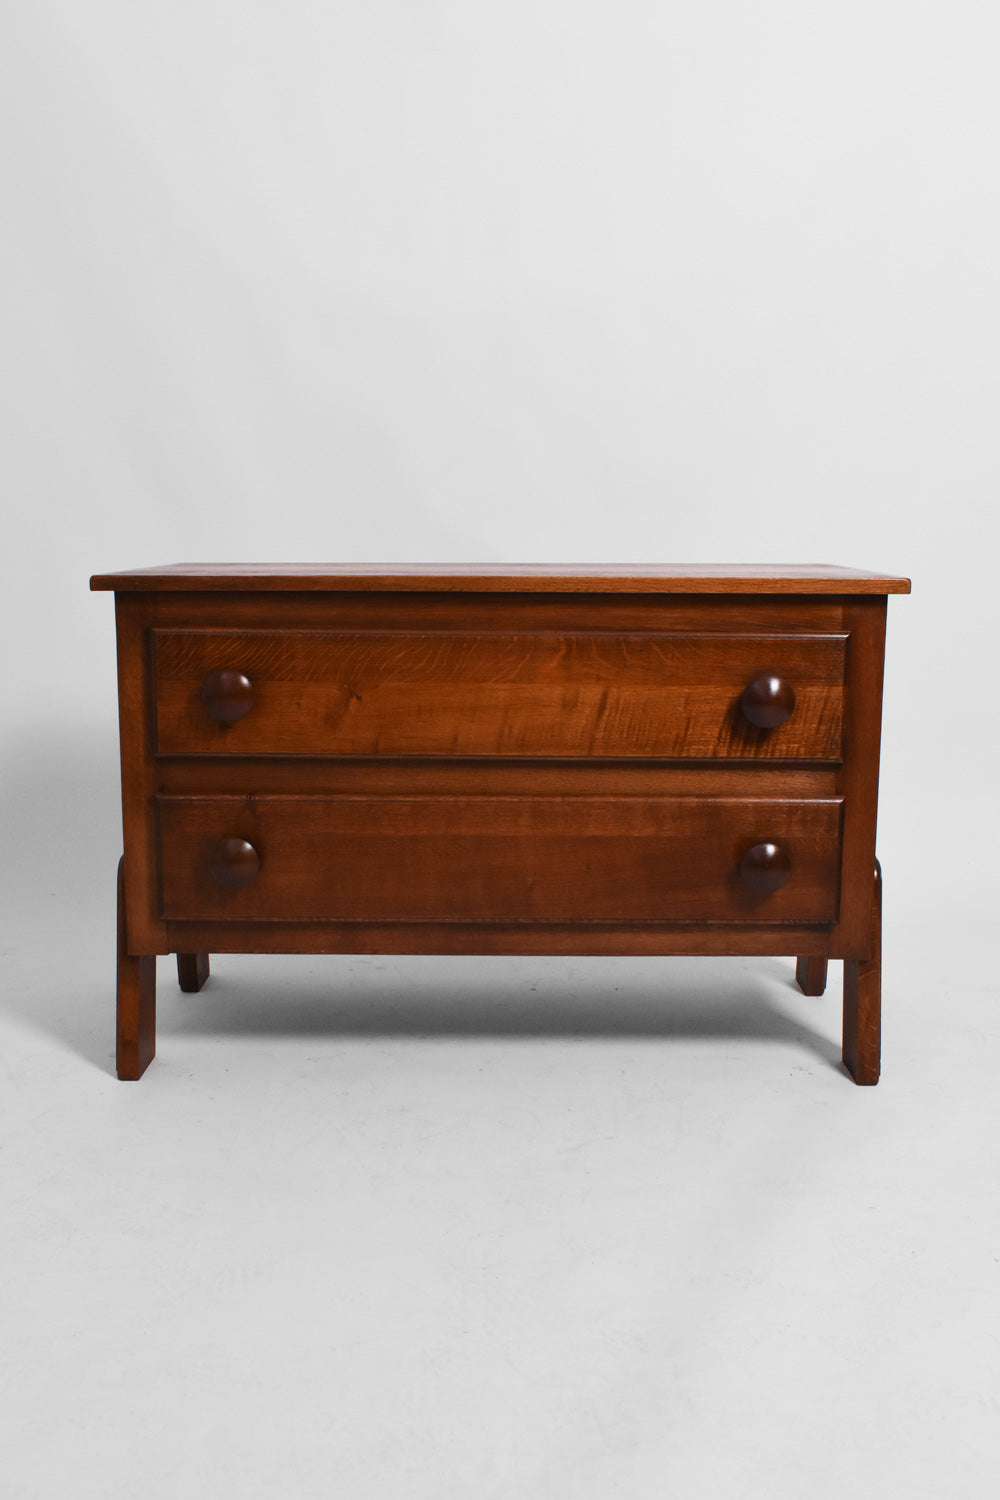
{"points": [[499, 760]]}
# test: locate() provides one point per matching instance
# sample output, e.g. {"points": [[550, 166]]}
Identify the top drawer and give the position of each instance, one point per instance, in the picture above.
{"points": [[460, 693]]}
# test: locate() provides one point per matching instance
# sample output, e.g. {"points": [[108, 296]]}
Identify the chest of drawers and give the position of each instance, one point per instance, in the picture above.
{"points": [[530, 760]]}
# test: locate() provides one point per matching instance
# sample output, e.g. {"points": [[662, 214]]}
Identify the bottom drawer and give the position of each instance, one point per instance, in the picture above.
{"points": [[499, 859]]}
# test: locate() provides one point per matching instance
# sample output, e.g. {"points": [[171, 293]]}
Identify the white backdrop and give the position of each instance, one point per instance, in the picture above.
{"points": [[522, 282], [361, 280]]}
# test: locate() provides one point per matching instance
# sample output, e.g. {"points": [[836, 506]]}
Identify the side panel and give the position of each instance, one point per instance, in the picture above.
{"points": [[146, 932], [857, 779]]}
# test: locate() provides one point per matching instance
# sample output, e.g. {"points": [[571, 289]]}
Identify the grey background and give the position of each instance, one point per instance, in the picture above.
{"points": [[521, 282]]}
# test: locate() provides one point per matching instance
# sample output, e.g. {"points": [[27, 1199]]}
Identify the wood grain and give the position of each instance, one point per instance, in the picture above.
{"points": [[499, 760], [192, 971], [568, 939], [863, 998], [135, 1027], [133, 615], [481, 613], [857, 781], [684, 578], [512, 694], [481, 776], [498, 859]]}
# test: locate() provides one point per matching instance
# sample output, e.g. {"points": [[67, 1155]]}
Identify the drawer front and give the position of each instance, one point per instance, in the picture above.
{"points": [[450, 693], [500, 859]]}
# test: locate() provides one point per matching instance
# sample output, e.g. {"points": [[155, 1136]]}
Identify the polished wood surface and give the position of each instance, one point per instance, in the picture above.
{"points": [[136, 1000], [502, 859], [810, 975], [766, 867], [226, 695], [488, 613], [863, 998], [232, 863], [510, 938], [480, 776], [192, 971], [529, 761], [519, 578], [857, 778], [768, 701], [145, 930], [450, 693]]}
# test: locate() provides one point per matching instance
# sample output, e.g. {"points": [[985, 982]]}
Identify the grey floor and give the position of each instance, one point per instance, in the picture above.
{"points": [[499, 1228]]}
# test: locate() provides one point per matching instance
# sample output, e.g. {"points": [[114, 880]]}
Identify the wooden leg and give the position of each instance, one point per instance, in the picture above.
{"points": [[136, 1000], [192, 971], [811, 975], [863, 1001]]}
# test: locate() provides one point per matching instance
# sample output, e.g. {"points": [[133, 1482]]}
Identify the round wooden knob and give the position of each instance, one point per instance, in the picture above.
{"points": [[764, 868], [227, 695], [767, 701], [233, 862]]}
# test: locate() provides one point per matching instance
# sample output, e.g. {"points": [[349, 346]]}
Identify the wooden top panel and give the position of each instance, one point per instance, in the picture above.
{"points": [[513, 578]]}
